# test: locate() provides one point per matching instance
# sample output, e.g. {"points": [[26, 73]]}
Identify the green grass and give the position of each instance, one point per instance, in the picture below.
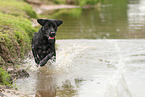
{"points": [[16, 30], [4, 77], [17, 8], [16, 34]]}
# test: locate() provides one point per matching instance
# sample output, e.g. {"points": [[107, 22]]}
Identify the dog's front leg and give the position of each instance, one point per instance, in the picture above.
{"points": [[44, 60], [35, 55]]}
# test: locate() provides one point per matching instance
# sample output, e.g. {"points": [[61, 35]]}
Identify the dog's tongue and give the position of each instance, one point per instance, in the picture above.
{"points": [[51, 37]]}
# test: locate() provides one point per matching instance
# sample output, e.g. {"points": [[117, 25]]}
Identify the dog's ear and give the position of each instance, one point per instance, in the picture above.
{"points": [[58, 22], [41, 21]]}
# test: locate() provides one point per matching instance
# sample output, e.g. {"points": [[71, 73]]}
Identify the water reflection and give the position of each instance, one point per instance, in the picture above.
{"points": [[47, 85], [117, 20], [136, 19], [67, 90]]}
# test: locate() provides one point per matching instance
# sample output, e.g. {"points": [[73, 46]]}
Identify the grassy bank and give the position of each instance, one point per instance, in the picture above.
{"points": [[16, 32]]}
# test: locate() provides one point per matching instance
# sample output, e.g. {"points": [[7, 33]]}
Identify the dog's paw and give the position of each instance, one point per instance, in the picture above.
{"points": [[36, 60]]}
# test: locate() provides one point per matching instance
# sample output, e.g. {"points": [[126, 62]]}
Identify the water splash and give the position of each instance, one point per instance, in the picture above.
{"points": [[66, 53], [30, 64]]}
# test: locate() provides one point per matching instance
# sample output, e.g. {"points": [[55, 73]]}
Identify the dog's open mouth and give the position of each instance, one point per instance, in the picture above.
{"points": [[51, 37]]}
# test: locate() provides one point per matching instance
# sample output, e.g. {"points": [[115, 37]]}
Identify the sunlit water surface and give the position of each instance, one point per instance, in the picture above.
{"points": [[90, 68]]}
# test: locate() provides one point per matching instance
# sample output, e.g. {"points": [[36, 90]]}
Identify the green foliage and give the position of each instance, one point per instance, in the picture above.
{"points": [[17, 8], [114, 2], [16, 30], [60, 1], [4, 77], [15, 36], [29, 11], [74, 12]]}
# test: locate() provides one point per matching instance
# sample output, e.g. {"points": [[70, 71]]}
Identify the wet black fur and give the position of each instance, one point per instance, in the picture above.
{"points": [[43, 47]]}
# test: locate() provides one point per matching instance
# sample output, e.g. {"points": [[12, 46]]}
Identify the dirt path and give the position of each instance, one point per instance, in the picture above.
{"points": [[41, 8]]}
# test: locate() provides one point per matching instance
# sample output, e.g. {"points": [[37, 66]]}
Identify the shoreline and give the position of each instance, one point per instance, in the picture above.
{"points": [[41, 8]]}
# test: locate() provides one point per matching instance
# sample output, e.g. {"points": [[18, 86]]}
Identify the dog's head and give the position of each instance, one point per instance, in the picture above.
{"points": [[49, 26]]}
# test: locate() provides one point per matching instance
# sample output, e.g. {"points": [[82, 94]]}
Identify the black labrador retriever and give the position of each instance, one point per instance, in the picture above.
{"points": [[43, 42]]}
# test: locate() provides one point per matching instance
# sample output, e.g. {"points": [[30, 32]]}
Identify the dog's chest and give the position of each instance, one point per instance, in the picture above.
{"points": [[46, 44]]}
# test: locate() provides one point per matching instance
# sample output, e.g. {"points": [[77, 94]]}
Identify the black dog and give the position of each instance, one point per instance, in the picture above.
{"points": [[43, 42]]}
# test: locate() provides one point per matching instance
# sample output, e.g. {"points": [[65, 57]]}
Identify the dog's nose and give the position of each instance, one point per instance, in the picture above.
{"points": [[52, 34]]}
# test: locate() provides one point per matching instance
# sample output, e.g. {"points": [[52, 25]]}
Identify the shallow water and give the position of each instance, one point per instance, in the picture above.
{"points": [[103, 54], [90, 68], [121, 19]]}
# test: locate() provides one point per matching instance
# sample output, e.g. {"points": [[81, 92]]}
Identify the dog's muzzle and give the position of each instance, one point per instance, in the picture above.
{"points": [[52, 35]]}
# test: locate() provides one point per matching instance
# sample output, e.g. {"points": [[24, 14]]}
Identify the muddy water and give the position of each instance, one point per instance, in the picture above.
{"points": [[100, 53]]}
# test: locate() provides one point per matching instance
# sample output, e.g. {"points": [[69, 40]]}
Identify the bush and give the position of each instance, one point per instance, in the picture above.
{"points": [[4, 77]]}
